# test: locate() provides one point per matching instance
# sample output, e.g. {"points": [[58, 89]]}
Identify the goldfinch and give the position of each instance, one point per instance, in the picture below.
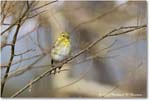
{"points": [[61, 49]]}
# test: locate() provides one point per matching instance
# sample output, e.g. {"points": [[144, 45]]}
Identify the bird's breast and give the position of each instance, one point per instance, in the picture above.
{"points": [[60, 52]]}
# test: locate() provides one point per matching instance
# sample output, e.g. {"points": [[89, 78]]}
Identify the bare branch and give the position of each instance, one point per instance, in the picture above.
{"points": [[79, 79], [117, 86], [132, 29], [98, 17], [29, 17], [43, 5], [6, 24], [24, 52]]}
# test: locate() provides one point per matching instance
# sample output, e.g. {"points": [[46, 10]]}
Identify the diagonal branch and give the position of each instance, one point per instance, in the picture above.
{"points": [[98, 17], [44, 5], [118, 85]]}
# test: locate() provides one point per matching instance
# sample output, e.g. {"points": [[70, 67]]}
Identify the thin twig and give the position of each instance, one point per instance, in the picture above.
{"points": [[43, 5], [79, 79], [123, 46], [29, 17], [24, 52], [133, 29], [12, 25], [118, 85], [98, 17], [6, 24]]}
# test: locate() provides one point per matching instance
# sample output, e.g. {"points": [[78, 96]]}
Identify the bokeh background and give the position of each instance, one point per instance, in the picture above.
{"points": [[116, 67]]}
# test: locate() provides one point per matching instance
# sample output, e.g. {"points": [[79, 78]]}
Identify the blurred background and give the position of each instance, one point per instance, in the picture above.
{"points": [[116, 67]]}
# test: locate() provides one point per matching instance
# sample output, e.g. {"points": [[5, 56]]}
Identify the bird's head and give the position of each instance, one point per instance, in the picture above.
{"points": [[65, 35]]}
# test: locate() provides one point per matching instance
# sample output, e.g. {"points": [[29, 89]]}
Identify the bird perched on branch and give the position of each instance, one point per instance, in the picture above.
{"points": [[61, 49]]}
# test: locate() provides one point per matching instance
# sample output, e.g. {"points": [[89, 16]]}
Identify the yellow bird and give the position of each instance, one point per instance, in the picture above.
{"points": [[61, 49]]}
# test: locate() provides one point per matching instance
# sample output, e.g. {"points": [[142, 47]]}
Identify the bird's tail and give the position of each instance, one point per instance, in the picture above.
{"points": [[53, 63], [52, 66]]}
